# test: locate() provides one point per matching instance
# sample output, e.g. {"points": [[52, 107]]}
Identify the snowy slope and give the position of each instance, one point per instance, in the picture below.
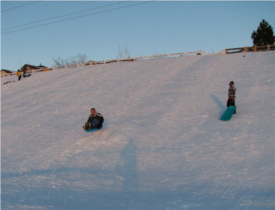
{"points": [[162, 145]]}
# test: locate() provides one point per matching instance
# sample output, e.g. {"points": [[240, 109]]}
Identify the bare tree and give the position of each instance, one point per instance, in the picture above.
{"points": [[119, 54], [60, 61], [80, 58], [125, 54]]}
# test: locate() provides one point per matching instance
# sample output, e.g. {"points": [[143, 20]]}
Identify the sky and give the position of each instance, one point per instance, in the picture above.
{"points": [[37, 32]]}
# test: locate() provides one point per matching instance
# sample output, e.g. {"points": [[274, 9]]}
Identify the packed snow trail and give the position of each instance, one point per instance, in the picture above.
{"points": [[162, 145]]}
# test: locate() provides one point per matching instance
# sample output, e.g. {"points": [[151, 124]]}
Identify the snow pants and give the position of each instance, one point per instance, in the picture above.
{"points": [[94, 124], [230, 103]]}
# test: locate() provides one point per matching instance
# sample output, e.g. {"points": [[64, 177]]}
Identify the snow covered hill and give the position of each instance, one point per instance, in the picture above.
{"points": [[162, 145]]}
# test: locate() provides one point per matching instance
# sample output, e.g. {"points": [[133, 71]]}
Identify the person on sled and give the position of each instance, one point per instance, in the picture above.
{"points": [[95, 120], [231, 95]]}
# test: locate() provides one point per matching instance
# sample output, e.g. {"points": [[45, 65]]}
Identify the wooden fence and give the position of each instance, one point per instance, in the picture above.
{"points": [[250, 49], [225, 51], [90, 63]]}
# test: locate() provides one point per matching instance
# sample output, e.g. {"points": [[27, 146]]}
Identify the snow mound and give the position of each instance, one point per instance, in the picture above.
{"points": [[162, 145]]}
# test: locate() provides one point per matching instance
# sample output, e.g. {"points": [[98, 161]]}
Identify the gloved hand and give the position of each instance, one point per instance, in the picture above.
{"points": [[232, 99]]}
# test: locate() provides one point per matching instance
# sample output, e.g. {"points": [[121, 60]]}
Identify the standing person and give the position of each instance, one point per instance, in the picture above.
{"points": [[95, 120], [231, 95], [19, 74]]}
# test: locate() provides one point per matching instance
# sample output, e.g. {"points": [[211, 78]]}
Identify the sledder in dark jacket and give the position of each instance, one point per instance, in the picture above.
{"points": [[95, 120]]}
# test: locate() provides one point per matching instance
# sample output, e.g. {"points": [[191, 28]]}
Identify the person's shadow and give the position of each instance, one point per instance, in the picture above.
{"points": [[219, 103], [127, 167]]}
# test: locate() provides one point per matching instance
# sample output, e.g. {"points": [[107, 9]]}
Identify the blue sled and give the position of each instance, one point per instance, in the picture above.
{"points": [[228, 113]]}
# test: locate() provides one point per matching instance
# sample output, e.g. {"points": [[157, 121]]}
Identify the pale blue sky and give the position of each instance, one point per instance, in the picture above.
{"points": [[158, 27]]}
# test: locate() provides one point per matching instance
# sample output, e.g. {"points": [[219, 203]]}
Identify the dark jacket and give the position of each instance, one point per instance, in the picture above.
{"points": [[232, 92], [98, 116]]}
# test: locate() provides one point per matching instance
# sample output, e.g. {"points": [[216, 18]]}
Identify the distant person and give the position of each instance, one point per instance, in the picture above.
{"points": [[231, 95], [95, 120], [19, 74]]}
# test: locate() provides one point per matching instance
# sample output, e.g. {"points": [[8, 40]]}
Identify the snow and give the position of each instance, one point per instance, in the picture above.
{"points": [[162, 145]]}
